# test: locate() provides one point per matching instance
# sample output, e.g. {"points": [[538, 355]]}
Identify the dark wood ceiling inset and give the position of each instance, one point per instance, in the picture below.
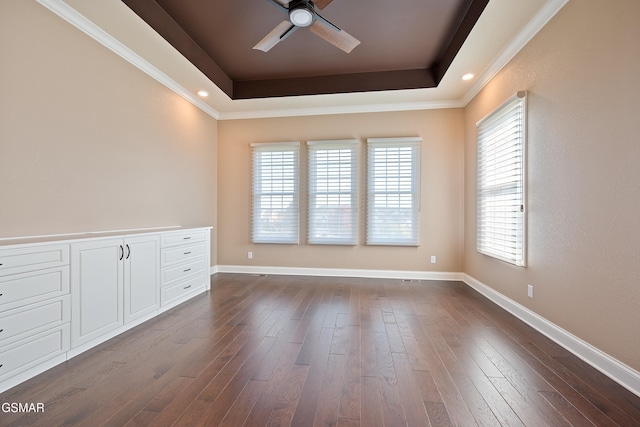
{"points": [[346, 83], [406, 44]]}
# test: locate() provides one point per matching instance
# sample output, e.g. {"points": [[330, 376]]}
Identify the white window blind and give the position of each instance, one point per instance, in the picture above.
{"points": [[501, 183], [393, 191], [275, 211], [333, 215]]}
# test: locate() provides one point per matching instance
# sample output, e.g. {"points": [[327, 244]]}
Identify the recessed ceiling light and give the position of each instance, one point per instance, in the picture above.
{"points": [[467, 76], [203, 93]]}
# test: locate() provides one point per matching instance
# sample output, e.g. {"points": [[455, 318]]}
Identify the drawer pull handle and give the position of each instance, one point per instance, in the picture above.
{"points": [[1, 264], [187, 287], [187, 253], [1, 295], [1, 330], [188, 269], [186, 238]]}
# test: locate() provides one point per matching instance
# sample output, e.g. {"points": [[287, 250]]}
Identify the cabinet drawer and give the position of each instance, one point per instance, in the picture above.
{"points": [[184, 237], [183, 253], [183, 271], [175, 292], [27, 288], [19, 260], [31, 351], [34, 318]]}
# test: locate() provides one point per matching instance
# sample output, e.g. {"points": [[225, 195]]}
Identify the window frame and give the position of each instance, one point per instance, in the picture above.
{"points": [[313, 191], [375, 234], [505, 237], [292, 170]]}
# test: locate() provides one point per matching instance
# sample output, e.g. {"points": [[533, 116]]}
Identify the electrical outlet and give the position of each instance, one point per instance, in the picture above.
{"points": [[250, 255], [433, 259], [530, 291]]}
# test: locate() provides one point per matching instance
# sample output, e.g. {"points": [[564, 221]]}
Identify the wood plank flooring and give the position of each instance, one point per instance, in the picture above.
{"points": [[345, 352]]}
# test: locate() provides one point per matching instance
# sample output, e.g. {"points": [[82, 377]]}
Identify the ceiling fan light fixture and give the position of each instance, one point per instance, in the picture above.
{"points": [[301, 16]]}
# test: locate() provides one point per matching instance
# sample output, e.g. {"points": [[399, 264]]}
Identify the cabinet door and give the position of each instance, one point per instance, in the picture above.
{"points": [[141, 276], [96, 288]]}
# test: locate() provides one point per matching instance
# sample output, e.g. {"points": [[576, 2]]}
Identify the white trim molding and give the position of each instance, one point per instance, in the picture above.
{"points": [[550, 9], [339, 272], [624, 375], [91, 233], [342, 109]]}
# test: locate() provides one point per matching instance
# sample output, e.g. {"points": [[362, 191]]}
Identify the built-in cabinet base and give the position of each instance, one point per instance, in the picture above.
{"points": [[59, 299]]}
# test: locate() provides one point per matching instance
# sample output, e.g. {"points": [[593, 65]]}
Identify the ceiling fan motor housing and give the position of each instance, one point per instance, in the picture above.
{"points": [[301, 13]]}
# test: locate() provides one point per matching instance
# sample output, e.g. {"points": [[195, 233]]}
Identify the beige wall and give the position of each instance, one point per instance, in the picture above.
{"points": [[441, 187], [88, 142], [582, 73]]}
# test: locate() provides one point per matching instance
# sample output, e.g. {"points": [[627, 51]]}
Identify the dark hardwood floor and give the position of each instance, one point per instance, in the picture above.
{"points": [[305, 351]]}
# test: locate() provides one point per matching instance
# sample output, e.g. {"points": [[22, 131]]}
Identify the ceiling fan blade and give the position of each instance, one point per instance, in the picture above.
{"points": [[279, 33], [281, 3], [321, 4], [334, 35]]}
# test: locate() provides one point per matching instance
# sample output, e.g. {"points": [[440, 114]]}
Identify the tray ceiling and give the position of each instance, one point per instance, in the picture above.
{"points": [[503, 28], [405, 44]]}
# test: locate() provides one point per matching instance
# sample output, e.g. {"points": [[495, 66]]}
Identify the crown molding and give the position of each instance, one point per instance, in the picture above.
{"points": [[550, 9], [341, 109]]}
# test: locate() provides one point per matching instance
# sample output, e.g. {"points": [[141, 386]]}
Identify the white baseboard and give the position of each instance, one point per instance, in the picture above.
{"points": [[339, 272], [624, 375]]}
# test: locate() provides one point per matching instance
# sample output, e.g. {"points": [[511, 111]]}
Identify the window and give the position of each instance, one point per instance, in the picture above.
{"points": [[275, 211], [500, 181], [333, 214], [393, 196]]}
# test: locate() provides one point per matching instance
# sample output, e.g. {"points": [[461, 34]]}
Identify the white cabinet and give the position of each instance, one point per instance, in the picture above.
{"points": [[61, 298], [35, 308], [184, 265], [113, 282], [33, 258], [141, 276], [97, 287]]}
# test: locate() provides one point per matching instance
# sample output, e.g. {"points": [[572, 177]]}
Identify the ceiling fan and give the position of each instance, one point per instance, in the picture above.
{"points": [[302, 13]]}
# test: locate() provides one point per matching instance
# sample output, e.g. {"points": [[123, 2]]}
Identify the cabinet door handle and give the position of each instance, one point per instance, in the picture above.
{"points": [[1, 264], [1, 330], [187, 287], [186, 238], [121, 252], [128, 251], [188, 269], [187, 253]]}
